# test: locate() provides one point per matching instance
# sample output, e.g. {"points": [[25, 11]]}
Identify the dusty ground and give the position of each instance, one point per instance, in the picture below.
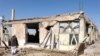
{"points": [[2, 50], [35, 52], [93, 50]]}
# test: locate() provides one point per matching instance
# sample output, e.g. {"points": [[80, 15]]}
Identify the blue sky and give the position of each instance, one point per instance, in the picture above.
{"points": [[37, 8]]}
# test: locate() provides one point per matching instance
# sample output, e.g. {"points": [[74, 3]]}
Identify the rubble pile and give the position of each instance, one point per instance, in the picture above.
{"points": [[35, 52]]}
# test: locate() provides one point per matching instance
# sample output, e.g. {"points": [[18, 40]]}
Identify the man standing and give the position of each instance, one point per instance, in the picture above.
{"points": [[14, 44]]}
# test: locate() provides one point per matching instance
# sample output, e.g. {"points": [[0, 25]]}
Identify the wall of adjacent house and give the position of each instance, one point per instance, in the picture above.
{"points": [[19, 30]]}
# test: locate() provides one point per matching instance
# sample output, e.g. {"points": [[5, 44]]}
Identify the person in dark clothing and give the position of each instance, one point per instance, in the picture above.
{"points": [[13, 42]]}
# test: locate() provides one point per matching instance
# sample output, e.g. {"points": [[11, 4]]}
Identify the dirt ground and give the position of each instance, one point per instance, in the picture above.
{"points": [[35, 52], [93, 50]]}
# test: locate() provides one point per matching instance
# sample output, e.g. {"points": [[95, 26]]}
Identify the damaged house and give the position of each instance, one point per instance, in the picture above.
{"points": [[61, 32]]}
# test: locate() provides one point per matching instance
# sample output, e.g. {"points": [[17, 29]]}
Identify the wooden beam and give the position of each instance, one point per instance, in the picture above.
{"points": [[46, 40]]}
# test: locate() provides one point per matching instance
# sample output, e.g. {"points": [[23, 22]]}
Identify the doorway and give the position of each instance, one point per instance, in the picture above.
{"points": [[32, 35]]}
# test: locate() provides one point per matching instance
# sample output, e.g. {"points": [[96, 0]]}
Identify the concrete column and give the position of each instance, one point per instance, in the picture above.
{"points": [[1, 31], [1, 35], [93, 35], [97, 35], [52, 41], [82, 29], [56, 33], [19, 30]]}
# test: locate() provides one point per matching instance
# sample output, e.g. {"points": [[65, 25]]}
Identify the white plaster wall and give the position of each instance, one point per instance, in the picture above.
{"points": [[19, 30]]}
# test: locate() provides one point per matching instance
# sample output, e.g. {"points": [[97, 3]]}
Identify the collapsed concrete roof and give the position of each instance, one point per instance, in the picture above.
{"points": [[60, 17]]}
